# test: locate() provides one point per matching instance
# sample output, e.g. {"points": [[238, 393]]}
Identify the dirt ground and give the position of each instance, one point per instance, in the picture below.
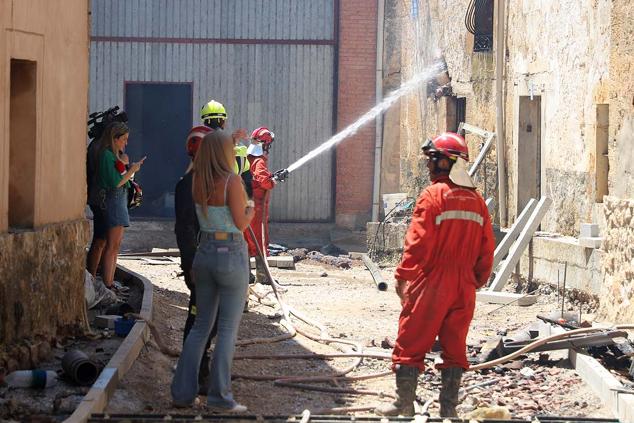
{"points": [[351, 308]]}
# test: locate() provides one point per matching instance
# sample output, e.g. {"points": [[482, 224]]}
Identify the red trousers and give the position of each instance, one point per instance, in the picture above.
{"points": [[260, 226], [439, 306]]}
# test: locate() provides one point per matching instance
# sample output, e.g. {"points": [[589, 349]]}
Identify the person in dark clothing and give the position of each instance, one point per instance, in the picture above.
{"points": [[186, 229], [100, 229]]}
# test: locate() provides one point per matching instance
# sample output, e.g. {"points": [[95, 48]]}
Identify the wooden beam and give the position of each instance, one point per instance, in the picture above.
{"points": [[485, 149], [515, 252], [503, 248], [490, 204], [493, 297]]}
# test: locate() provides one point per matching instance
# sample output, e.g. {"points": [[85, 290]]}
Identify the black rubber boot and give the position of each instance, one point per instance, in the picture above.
{"points": [[406, 381], [448, 397]]}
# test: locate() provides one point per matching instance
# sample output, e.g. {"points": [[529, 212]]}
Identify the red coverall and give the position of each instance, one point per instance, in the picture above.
{"points": [[448, 254], [262, 184]]}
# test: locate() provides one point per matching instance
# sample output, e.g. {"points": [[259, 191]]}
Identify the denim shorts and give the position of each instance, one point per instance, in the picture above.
{"points": [[116, 212]]}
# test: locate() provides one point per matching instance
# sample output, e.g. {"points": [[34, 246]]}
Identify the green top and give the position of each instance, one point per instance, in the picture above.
{"points": [[109, 177]]}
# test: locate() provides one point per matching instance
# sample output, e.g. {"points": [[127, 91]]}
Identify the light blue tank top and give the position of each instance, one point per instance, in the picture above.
{"points": [[218, 218]]}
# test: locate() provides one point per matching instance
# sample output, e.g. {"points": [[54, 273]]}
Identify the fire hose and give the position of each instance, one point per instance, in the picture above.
{"points": [[339, 376], [356, 350]]}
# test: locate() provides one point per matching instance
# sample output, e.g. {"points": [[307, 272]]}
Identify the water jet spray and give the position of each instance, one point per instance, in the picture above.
{"points": [[438, 70]]}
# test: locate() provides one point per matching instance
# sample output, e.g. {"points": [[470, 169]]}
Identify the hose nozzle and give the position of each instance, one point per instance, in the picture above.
{"points": [[281, 175]]}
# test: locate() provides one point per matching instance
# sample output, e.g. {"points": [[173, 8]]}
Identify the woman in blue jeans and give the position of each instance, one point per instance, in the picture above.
{"points": [[220, 273]]}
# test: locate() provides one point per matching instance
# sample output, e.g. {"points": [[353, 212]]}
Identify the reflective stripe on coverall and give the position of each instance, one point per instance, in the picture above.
{"points": [[448, 254], [262, 184]]}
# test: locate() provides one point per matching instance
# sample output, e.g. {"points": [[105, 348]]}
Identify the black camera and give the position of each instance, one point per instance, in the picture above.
{"points": [[98, 121]]}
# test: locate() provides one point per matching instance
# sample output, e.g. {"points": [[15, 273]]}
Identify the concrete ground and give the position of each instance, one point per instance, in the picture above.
{"points": [[350, 307]]}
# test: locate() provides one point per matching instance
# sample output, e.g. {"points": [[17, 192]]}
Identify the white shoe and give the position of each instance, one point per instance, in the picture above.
{"points": [[238, 408]]}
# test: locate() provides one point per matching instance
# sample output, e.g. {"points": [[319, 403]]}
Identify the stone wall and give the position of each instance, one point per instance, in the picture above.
{"points": [[572, 59], [42, 274], [621, 124], [560, 54], [43, 113], [617, 299], [420, 33]]}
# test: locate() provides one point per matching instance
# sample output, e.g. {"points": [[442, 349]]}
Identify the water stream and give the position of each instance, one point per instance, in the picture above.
{"points": [[388, 101]]}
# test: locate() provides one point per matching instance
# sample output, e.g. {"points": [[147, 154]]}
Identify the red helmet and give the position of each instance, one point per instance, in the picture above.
{"points": [[448, 144], [194, 137], [263, 135]]}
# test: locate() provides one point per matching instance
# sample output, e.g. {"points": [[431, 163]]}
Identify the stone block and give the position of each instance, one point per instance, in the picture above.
{"points": [[48, 263], [591, 242], [589, 230], [386, 237], [106, 321], [281, 262]]}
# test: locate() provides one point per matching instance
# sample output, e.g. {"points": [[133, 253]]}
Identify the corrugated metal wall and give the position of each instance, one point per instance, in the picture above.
{"points": [[271, 62]]}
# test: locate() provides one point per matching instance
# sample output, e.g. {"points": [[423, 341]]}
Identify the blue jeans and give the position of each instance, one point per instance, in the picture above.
{"points": [[221, 277]]}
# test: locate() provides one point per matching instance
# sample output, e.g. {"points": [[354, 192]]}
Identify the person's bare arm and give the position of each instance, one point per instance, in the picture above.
{"points": [[237, 202], [134, 168]]}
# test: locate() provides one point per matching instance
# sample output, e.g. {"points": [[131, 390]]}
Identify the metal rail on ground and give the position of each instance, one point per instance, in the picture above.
{"points": [[184, 418]]}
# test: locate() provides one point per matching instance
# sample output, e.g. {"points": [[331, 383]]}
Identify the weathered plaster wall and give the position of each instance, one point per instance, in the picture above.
{"points": [[574, 55], [559, 51], [55, 35], [41, 269], [421, 33], [42, 275], [621, 99], [617, 299]]}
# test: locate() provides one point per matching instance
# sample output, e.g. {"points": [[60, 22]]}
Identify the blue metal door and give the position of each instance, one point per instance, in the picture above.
{"points": [[159, 118]]}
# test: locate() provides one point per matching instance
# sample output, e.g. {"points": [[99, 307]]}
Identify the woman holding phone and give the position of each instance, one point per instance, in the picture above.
{"points": [[113, 181]]}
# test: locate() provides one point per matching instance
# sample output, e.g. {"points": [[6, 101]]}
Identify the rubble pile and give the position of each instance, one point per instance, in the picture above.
{"points": [[524, 388], [329, 254], [340, 262]]}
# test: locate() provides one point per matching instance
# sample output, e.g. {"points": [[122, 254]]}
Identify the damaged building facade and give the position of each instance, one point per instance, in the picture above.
{"points": [[43, 232], [568, 116]]}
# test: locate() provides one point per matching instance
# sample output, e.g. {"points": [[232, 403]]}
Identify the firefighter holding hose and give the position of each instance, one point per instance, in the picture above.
{"points": [[448, 254], [262, 182]]}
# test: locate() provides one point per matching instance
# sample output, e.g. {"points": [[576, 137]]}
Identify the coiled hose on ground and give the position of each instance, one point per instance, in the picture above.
{"points": [[355, 350]]}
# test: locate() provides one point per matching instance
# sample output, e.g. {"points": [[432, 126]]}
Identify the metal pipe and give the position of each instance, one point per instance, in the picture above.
{"points": [[378, 140], [79, 368], [499, 110], [376, 273]]}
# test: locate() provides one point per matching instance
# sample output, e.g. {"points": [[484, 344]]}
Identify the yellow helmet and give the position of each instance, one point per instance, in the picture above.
{"points": [[213, 110]]}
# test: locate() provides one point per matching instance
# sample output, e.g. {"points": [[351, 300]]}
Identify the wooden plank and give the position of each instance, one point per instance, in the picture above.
{"points": [[503, 248], [493, 297], [482, 154], [520, 245], [490, 204]]}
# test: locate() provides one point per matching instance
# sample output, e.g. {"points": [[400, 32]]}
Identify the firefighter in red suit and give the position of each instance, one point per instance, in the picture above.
{"points": [[448, 254], [262, 183]]}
